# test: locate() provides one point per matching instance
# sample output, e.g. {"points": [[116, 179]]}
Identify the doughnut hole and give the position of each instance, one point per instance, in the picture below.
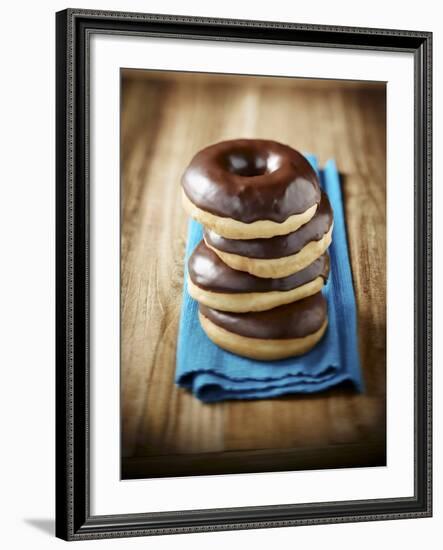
{"points": [[249, 163]]}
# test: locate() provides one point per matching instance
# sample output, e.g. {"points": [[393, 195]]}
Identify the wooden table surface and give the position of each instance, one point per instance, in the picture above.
{"points": [[165, 119]]}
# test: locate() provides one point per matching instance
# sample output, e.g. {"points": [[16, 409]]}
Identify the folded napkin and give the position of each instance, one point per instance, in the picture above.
{"points": [[213, 374]]}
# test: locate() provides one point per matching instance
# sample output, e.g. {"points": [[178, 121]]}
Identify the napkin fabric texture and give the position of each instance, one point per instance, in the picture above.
{"points": [[213, 374]]}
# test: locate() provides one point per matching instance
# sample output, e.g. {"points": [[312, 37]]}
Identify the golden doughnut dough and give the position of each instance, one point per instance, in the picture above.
{"points": [[234, 229]]}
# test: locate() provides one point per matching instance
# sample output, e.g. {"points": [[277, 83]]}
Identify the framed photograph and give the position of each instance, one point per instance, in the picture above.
{"points": [[243, 274]]}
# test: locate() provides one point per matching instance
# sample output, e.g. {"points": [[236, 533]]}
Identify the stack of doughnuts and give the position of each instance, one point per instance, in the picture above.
{"points": [[260, 267]]}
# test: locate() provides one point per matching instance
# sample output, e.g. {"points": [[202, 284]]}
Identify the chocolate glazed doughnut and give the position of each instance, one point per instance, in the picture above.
{"points": [[250, 188], [277, 256], [213, 283], [284, 331]]}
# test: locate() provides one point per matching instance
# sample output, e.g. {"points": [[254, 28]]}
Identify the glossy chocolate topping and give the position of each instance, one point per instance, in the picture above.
{"points": [[277, 247], [294, 320], [208, 272], [250, 180]]}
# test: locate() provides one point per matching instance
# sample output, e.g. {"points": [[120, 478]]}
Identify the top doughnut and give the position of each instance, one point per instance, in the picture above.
{"points": [[250, 188]]}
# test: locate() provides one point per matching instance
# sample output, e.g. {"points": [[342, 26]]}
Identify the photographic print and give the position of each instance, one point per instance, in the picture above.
{"points": [[253, 273], [244, 261]]}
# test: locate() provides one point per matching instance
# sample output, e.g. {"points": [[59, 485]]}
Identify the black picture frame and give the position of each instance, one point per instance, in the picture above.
{"points": [[74, 28]]}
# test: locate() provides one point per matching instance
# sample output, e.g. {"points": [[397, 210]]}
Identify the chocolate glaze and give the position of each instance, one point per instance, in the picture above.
{"points": [[250, 180], [294, 320], [208, 272], [277, 247]]}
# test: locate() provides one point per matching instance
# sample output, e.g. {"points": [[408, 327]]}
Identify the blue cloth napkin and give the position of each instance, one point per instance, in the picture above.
{"points": [[213, 374]]}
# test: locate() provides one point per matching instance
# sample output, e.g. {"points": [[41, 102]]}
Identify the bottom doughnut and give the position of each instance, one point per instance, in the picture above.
{"points": [[258, 348]]}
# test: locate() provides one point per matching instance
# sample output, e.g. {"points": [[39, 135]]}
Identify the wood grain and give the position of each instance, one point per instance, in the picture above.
{"points": [[165, 119]]}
